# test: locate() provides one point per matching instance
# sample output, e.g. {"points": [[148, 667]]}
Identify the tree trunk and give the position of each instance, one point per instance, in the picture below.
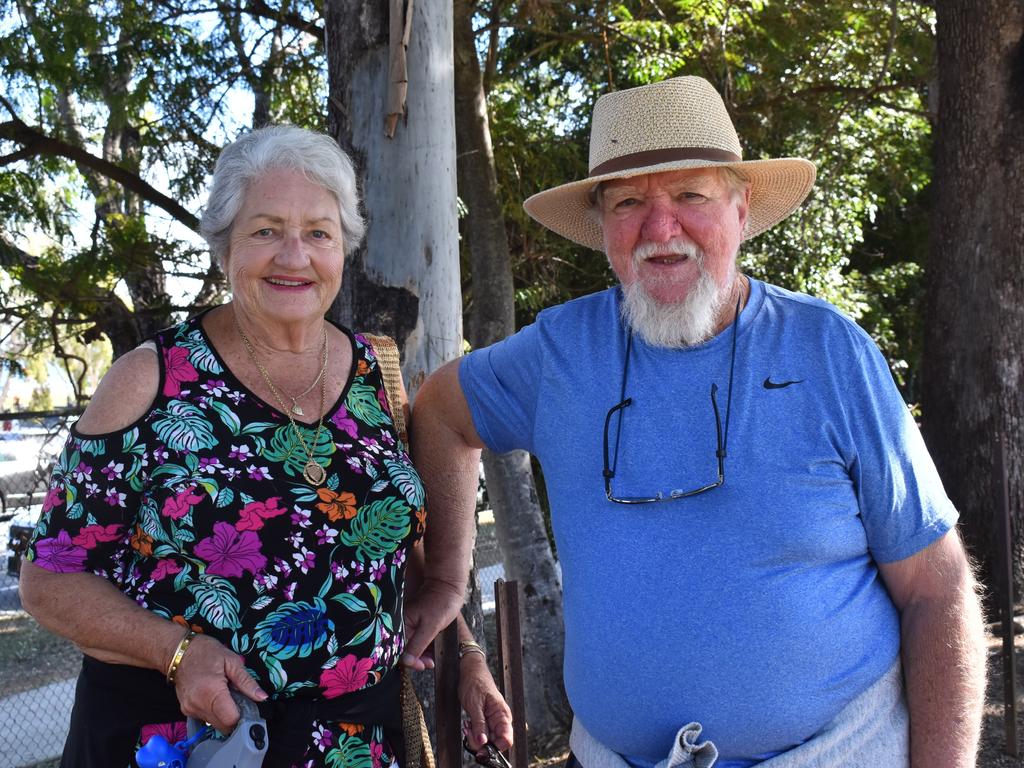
{"points": [[974, 326], [404, 281], [519, 523]]}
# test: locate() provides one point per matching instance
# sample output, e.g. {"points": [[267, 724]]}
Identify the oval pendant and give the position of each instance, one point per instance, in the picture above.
{"points": [[314, 473]]}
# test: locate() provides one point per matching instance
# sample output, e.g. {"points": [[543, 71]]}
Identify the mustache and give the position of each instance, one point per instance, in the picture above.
{"points": [[675, 247]]}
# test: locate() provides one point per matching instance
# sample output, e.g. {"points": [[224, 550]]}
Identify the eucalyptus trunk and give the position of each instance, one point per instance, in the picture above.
{"points": [[519, 522], [404, 280], [974, 328]]}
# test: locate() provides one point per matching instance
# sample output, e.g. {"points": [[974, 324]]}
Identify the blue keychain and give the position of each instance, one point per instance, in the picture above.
{"points": [[159, 753]]}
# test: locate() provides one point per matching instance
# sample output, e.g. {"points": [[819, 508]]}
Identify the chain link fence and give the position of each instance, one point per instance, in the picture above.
{"points": [[37, 670]]}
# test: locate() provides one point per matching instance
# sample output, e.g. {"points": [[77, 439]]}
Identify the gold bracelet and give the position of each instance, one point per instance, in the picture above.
{"points": [[179, 654], [468, 646]]}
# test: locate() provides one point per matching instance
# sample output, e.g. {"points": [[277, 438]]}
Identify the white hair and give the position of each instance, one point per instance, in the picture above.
{"points": [[676, 325], [274, 147]]}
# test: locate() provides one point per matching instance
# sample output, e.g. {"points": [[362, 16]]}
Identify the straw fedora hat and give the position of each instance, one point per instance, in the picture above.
{"points": [[672, 125]]}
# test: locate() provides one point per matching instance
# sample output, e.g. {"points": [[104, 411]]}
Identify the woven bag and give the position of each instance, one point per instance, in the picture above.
{"points": [[418, 752]]}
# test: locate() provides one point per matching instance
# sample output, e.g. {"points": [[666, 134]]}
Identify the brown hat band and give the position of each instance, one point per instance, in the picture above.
{"points": [[657, 156]]}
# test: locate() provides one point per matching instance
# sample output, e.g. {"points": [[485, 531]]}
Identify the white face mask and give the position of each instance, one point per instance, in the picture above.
{"points": [[674, 326]]}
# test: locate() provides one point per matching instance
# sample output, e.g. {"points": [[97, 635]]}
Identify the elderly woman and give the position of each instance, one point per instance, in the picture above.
{"points": [[235, 509]]}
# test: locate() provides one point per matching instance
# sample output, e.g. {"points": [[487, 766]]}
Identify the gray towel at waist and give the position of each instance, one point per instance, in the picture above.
{"points": [[873, 729]]}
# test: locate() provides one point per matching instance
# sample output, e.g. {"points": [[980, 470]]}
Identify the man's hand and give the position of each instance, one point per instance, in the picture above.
{"points": [[205, 672], [434, 607]]}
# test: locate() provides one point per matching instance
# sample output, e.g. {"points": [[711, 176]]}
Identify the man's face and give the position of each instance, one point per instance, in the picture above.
{"points": [[656, 227]]}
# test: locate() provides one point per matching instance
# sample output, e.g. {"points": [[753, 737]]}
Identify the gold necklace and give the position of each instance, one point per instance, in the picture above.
{"points": [[296, 408], [313, 472]]}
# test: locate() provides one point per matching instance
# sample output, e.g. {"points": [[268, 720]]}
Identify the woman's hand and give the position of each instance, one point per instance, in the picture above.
{"points": [[490, 719], [433, 607], [204, 674]]}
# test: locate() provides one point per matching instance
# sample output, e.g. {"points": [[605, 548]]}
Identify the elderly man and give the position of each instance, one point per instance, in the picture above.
{"points": [[760, 564]]}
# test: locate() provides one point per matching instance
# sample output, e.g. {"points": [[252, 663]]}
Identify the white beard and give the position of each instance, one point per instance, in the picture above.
{"points": [[674, 326]]}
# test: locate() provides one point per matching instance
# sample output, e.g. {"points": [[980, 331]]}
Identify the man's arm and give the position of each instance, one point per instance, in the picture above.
{"points": [[943, 649], [446, 451]]}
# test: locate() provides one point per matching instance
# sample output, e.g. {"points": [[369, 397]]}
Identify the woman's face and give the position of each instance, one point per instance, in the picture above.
{"points": [[286, 255]]}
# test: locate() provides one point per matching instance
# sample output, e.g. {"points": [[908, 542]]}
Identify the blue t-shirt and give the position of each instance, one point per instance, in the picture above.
{"points": [[755, 608]]}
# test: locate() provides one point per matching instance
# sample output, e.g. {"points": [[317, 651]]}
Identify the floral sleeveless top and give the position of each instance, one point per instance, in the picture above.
{"points": [[199, 512]]}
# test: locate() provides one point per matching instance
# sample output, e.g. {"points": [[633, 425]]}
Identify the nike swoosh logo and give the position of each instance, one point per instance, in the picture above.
{"points": [[769, 384]]}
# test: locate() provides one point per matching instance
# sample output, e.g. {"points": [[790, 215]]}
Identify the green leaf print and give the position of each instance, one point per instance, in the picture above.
{"points": [[93, 447], [351, 602], [152, 523], [183, 578], [225, 497], [255, 427], [216, 601], [285, 448], [183, 427], [407, 481], [199, 352], [351, 752], [362, 402], [378, 529], [278, 677], [128, 441], [231, 421]]}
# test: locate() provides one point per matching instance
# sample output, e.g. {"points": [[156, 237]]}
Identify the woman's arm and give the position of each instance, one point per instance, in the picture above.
{"points": [[107, 625], [488, 715]]}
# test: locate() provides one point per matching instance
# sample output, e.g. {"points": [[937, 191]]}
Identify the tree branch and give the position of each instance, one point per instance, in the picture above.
{"points": [[40, 144]]}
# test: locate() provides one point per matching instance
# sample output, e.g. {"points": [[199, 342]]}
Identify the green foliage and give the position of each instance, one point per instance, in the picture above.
{"points": [[152, 89]]}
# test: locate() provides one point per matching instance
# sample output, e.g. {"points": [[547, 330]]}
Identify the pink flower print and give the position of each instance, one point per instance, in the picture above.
{"points": [[215, 387], [322, 738], [178, 370], [355, 464], [399, 557], [179, 505], [289, 591], [165, 568], [92, 489], [91, 535], [82, 472], [210, 465], [282, 567], [339, 571], [345, 423], [326, 535], [266, 581], [295, 540], [236, 397], [377, 570], [300, 517], [259, 473], [240, 452], [229, 552], [349, 674], [376, 751], [60, 555], [54, 497], [113, 470], [255, 512], [160, 455], [172, 732], [304, 560], [231, 473], [114, 498]]}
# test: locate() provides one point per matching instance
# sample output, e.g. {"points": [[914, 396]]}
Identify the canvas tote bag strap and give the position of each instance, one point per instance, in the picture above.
{"points": [[418, 753], [391, 372]]}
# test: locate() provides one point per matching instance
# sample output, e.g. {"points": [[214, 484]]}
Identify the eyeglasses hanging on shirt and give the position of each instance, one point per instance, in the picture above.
{"points": [[624, 402]]}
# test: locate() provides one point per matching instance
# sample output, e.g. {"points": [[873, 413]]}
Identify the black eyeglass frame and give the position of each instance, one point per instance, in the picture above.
{"points": [[721, 437]]}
